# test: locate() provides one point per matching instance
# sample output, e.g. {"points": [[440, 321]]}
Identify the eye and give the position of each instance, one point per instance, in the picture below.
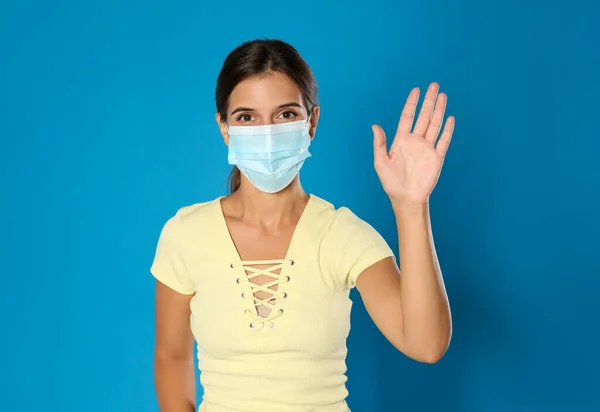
{"points": [[244, 117], [289, 114]]}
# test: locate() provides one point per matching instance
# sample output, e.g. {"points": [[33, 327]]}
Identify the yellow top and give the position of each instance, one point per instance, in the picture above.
{"points": [[290, 358]]}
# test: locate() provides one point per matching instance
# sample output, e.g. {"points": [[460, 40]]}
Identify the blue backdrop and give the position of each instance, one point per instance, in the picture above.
{"points": [[107, 127]]}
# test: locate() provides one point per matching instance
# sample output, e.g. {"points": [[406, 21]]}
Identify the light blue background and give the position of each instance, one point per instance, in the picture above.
{"points": [[107, 128]]}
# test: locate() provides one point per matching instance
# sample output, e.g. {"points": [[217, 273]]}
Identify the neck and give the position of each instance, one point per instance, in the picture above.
{"points": [[269, 209]]}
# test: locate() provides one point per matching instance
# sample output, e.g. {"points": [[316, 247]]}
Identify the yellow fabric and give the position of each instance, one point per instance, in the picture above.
{"points": [[292, 360]]}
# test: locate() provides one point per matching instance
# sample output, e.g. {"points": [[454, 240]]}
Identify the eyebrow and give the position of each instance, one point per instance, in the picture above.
{"points": [[281, 106]]}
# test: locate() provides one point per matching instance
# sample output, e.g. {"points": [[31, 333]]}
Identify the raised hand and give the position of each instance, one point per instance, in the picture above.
{"points": [[411, 168]]}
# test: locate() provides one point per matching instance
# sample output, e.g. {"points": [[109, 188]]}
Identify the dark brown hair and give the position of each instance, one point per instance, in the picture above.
{"points": [[259, 57]]}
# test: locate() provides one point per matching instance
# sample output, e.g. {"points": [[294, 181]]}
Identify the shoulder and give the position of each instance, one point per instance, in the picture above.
{"points": [[335, 217], [198, 211], [350, 245], [189, 218]]}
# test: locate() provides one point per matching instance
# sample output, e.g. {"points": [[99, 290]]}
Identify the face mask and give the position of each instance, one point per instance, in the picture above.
{"points": [[270, 156]]}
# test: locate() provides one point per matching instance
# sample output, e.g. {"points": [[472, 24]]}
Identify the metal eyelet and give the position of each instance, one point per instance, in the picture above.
{"points": [[251, 325], [280, 311], [247, 311], [284, 295], [287, 278], [237, 281], [243, 295], [231, 266], [292, 263]]}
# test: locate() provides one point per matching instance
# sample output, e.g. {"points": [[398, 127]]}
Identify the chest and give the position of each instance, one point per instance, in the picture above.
{"points": [[314, 318]]}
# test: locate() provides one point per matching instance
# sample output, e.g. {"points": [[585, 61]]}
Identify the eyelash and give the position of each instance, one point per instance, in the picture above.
{"points": [[239, 118], [290, 111]]}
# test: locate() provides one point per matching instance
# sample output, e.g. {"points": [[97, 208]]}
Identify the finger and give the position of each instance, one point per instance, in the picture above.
{"points": [[426, 110], [444, 142], [408, 112], [379, 146], [433, 130]]}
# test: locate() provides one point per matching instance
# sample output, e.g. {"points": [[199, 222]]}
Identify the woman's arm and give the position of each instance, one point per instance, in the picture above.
{"points": [[174, 367], [411, 310]]}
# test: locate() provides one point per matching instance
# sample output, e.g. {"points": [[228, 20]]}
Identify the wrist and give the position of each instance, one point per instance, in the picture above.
{"points": [[409, 208]]}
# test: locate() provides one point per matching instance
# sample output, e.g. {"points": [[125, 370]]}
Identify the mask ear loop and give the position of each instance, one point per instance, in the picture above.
{"points": [[309, 116], [307, 124]]}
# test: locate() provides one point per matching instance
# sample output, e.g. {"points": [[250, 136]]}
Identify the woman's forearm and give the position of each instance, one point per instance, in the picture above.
{"points": [[175, 383], [426, 318]]}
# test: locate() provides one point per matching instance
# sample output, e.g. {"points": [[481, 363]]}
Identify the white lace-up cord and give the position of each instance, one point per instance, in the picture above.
{"points": [[251, 273]]}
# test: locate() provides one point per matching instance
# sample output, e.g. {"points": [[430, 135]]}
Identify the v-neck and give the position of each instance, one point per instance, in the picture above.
{"points": [[231, 243]]}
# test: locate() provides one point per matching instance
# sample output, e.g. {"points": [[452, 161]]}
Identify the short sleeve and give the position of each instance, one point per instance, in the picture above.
{"points": [[169, 266], [353, 246]]}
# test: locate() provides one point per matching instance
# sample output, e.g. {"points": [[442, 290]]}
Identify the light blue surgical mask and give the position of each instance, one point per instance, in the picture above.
{"points": [[270, 156]]}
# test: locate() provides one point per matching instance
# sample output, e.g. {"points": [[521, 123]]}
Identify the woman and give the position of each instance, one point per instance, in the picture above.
{"points": [[261, 278]]}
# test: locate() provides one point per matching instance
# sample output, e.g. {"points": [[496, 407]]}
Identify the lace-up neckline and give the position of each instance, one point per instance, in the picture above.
{"points": [[272, 294], [272, 301]]}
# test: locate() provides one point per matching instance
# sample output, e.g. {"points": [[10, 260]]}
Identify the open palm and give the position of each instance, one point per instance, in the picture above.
{"points": [[410, 170]]}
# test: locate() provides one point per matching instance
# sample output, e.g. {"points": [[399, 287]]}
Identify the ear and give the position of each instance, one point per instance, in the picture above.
{"points": [[314, 119], [222, 129]]}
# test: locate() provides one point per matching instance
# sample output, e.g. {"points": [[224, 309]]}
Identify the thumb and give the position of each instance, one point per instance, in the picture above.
{"points": [[379, 145]]}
